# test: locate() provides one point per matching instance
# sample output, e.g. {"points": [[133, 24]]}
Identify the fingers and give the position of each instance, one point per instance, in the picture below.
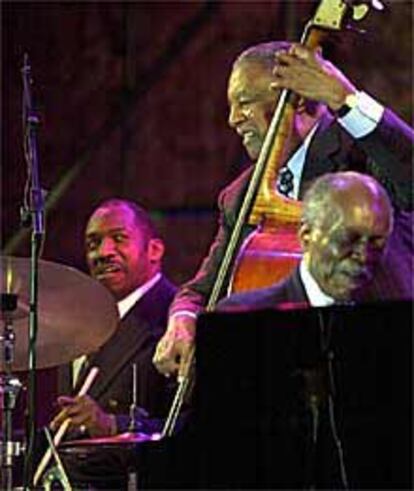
{"points": [[312, 55], [163, 350], [84, 414], [292, 65], [299, 55], [166, 357], [58, 420], [168, 361], [306, 73], [64, 401], [79, 410], [185, 363], [172, 350]]}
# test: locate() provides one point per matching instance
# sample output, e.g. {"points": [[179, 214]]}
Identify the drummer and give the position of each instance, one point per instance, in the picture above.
{"points": [[124, 253]]}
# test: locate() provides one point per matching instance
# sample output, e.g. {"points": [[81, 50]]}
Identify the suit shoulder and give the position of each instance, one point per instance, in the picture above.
{"points": [[287, 293], [255, 299], [232, 190], [168, 286]]}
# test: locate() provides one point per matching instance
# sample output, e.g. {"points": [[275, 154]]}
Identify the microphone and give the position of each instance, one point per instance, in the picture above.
{"points": [[30, 123]]}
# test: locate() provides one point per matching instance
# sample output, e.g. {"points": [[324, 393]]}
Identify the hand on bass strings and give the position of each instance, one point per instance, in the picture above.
{"points": [[304, 71]]}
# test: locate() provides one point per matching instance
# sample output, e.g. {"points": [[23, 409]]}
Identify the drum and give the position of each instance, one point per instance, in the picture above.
{"points": [[105, 462]]}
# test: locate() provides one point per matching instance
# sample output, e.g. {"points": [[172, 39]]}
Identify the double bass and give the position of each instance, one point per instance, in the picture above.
{"points": [[271, 252]]}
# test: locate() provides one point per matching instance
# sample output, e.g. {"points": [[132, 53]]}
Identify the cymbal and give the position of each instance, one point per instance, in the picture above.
{"points": [[76, 314], [123, 440]]}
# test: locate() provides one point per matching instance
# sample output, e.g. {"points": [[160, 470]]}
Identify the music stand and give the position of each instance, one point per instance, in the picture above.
{"points": [[253, 418]]}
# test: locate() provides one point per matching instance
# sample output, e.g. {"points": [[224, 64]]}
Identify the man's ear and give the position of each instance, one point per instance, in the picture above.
{"points": [[156, 250], [304, 234]]}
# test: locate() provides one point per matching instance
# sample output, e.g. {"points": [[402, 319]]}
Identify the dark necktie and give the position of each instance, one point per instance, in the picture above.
{"points": [[285, 181]]}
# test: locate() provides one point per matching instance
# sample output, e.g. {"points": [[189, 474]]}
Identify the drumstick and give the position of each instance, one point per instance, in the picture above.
{"points": [[64, 426]]}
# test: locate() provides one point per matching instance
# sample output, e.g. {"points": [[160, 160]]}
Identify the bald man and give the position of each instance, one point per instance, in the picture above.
{"points": [[346, 222]]}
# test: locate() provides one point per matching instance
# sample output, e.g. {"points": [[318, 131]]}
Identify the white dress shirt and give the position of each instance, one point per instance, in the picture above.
{"points": [[316, 297]]}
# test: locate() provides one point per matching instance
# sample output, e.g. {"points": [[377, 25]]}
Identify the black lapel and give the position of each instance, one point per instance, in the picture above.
{"points": [[127, 340], [294, 288], [290, 290], [325, 144], [136, 330], [64, 382], [153, 307]]}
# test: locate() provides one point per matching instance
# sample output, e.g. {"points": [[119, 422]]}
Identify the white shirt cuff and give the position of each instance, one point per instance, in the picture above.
{"points": [[362, 119], [187, 313]]}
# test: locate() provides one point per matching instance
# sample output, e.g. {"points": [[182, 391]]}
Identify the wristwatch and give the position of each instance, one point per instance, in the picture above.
{"points": [[351, 101]]}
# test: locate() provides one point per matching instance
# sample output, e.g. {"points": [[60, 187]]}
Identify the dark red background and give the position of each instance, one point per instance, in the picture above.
{"points": [[132, 102]]}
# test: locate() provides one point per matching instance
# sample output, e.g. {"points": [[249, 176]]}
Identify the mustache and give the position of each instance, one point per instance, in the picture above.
{"points": [[357, 271], [99, 265], [243, 131]]}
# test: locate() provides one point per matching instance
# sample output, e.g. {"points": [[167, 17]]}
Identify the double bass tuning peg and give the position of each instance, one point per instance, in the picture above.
{"points": [[359, 11], [361, 8]]}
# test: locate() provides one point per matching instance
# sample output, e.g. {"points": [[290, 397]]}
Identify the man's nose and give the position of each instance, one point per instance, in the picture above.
{"points": [[236, 116], [106, 247], [361, 251]]}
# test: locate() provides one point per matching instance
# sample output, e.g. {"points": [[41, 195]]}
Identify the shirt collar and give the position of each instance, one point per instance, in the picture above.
{"points": [[129, 301], [317, 298]]}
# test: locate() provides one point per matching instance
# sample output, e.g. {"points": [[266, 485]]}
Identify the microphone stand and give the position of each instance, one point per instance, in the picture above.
{"points": [[36, 215]]}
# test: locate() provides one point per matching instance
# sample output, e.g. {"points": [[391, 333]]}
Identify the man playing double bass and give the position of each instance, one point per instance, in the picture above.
{"points": [[336, 127]]}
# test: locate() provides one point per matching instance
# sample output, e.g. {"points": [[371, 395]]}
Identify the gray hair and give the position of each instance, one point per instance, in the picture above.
{"points": [[263, 53], [318, 202]]}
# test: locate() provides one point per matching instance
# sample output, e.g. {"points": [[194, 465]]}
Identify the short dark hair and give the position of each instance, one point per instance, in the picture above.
{"points": [[141, 215], [263, 53]]}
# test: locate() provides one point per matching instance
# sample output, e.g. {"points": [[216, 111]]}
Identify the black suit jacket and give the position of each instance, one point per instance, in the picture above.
{"points": [[133, 341], [386, 153], [290, 292]]}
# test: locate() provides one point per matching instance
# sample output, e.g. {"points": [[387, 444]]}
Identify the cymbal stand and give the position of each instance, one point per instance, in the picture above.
{"points": [[9, 389]]}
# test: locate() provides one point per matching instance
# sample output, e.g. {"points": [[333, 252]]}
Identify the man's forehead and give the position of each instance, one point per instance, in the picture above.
{"points": [[248, 73], [362, 201], [246, 79], [365, 218], [114, 216]]}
